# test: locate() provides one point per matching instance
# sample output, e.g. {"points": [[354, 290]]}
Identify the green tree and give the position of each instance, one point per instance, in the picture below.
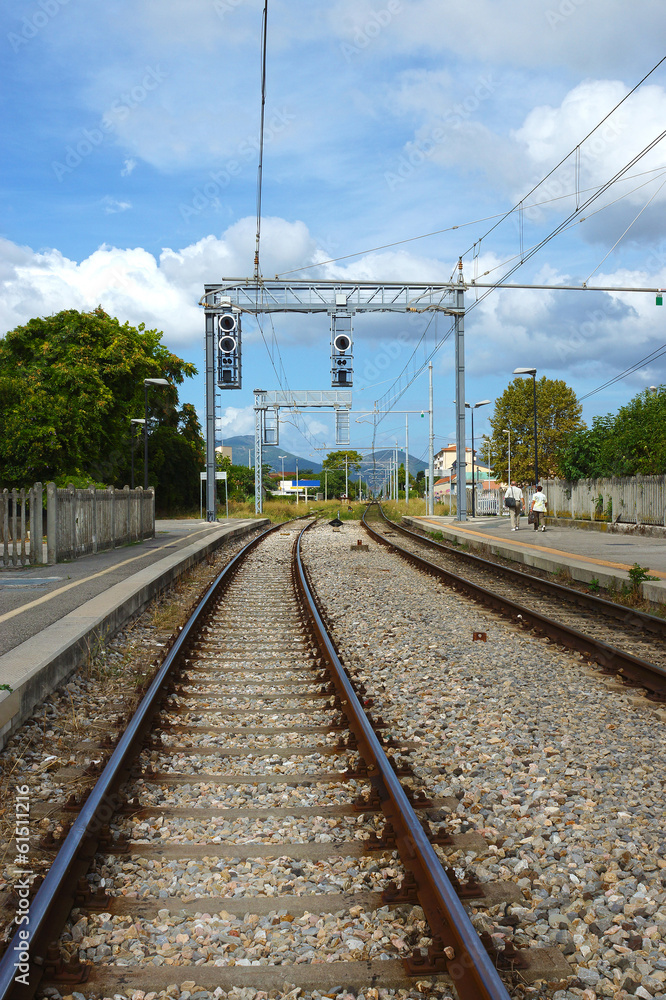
{"points": [[335, 464], [69, 385], [629, 443], [240, 479], [176, 458], [558, 417]]}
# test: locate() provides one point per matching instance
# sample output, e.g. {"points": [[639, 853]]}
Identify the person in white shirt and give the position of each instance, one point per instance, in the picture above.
{"points": [[515, 495], [538, 507]]}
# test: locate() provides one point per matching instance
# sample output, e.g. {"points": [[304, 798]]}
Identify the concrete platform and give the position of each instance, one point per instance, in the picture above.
{"points": [[51, 617], [586, 555]]}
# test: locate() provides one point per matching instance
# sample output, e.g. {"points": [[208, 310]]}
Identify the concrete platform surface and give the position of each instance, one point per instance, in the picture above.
{"points": [[51, 616], [586, 555]]}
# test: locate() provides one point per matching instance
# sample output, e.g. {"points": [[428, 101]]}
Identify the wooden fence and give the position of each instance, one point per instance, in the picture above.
{"points": [[75, 522], [624, 499], [21, 520]]}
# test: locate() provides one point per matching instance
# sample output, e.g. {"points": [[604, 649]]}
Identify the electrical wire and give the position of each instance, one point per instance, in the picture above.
{"points": [[264, 31], [657, 353], [635, 219], [572, 151], [461, 225]]}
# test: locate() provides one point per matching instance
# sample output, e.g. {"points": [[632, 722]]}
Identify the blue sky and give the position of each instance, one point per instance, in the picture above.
{"points": [[130, 133]]}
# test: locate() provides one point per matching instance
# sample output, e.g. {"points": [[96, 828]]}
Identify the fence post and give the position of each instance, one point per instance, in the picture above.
{"points": [[111, 490], [5, 527], [93, 517], [14, 497], [22, 501], [37, 524], [51, 524], [71, 493]]}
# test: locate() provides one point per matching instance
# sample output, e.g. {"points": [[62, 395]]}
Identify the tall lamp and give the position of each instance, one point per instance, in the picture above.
{"points": [[146, 383], [508, 431], [532, 372], [473, 407], [132, 439]]}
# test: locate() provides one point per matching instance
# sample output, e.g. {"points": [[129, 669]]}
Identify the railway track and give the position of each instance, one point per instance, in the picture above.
{"points": [[620, 640], [249, 829]]}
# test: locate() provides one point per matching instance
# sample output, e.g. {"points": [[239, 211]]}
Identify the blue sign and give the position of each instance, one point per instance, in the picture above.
{"points": [[306, 482]]}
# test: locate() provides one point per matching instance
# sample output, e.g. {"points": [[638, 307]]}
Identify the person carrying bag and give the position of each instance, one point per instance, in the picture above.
{"points": [[513, 499], [537, 508]]}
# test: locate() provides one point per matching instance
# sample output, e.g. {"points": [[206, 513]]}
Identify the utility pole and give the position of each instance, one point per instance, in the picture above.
{"points": [[406, 459], [431, 449], [461, 467]]}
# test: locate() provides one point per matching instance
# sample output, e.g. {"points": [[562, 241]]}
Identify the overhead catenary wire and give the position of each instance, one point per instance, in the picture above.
{"points": [[620, 238], [657, 353], [571, 151], [462, 225], [260, 167]]}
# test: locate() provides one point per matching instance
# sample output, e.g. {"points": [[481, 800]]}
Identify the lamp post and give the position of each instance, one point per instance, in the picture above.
{"points": [[283, 458], [508, 431], [146, 383], [132, 439], [532, 372], [297, 482], [472, 407]]}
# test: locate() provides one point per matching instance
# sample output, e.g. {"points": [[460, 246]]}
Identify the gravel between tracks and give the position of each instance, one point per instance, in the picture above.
{"points": [[559, 769]]}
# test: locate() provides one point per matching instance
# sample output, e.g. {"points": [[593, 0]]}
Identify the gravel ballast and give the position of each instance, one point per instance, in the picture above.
{"points": [[561, 770]]}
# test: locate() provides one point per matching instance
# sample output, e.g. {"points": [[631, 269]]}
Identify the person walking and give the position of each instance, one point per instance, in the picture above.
{"points": [[538, 507], [513, 499]]}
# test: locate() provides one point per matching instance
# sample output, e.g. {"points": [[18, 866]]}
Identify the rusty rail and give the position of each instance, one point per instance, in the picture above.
{"points": [[610, 658], [55, 897], [456, 944]]}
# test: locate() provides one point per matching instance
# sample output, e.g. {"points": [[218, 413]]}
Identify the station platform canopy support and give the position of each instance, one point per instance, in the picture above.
{"points": [[342, 301]]}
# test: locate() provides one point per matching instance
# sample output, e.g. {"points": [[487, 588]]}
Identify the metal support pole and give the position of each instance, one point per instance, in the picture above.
{"points": [[431, 448], [346, 475], [406, 459], [145, 437], [258, 458], [132, 453], [461, 466], [210, 418], [473, 483], [536, 454]]}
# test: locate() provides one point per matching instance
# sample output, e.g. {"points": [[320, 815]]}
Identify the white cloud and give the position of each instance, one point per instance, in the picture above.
{"points": [[135, 286], [235, 421], [128, 167], [112, 206]]}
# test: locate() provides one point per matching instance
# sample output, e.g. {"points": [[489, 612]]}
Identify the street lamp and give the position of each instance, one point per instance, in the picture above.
{"points": [[532, 372], [472, 407], [283, 458], [132, 439], [146, 383], [508, 431]]}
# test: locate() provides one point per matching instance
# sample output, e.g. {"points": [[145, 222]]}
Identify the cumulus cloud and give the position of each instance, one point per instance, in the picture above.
{"points": [[112, 206], [135, 286]]}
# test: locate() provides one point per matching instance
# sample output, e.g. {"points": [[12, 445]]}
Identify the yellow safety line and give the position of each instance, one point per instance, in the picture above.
{"points": [[540, 548], [85, 579]]}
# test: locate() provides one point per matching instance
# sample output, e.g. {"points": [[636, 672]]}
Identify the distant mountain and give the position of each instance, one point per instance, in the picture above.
{"points": [[242, 452]]}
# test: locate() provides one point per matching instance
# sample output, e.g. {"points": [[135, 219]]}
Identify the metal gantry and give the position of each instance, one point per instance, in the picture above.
{"points": [[267, 405], [341, 300]]}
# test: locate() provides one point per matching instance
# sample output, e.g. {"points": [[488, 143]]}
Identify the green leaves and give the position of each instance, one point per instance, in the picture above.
{"points": [[558, 417], [629, 443], [69, 385]]}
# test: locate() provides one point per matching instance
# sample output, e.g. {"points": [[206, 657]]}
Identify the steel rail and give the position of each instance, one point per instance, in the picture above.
{"points": [[626, 616], [54, 899], [467, 962], [613, 660]]}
